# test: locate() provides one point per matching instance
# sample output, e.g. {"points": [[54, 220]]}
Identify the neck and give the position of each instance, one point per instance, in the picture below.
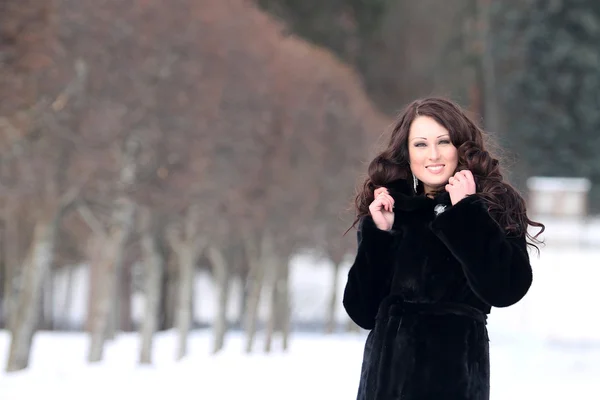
{"points": [[431, 191]]}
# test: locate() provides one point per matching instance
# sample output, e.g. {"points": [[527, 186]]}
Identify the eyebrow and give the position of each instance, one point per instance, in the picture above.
{"points": [[420, 137]]}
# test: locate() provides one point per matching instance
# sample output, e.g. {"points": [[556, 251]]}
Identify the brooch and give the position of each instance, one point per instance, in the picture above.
{"points": [[440, 208]]}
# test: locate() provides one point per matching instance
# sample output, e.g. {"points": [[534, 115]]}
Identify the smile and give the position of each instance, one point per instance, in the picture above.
{"points": [[435, 169]]}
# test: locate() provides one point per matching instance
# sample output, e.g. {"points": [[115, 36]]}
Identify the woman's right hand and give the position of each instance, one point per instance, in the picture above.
{"points": [[382, 209]]}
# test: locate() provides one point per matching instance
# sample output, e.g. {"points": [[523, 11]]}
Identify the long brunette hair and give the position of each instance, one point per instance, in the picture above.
{"points": [[504, 202]]}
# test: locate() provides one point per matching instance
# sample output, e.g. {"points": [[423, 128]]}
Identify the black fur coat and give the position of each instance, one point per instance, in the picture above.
{"points": [[424, 291]]}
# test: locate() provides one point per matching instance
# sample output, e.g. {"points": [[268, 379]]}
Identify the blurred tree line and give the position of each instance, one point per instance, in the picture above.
{"points": [[528, 68], [551, 93], [149, 141]]}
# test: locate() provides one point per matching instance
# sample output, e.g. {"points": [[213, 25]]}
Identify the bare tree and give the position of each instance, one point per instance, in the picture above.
{"points": [[187, 244], [260, 258], [35, 269], [48, 150], [114, 241], [245, 141], [11, 253], [26, 38], [221, 273], [154, 266], [39, 257]]}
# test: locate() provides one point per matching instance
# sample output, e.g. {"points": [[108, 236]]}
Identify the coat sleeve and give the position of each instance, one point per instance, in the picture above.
{"points": [[369, 276], [496, 266]]}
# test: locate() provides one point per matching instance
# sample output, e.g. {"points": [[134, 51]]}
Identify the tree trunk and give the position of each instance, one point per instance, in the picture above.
{"points": [[120, 317], [68, 299], [47, 302], [7, 282], [113, 251], [11, 260], [330, 326], [188, 251], [274, 268], [255, 282], [94, 283], [3, 278], [118, 287], [154, 264], [169, 288], [125, 322], [102, 301], [183, 315], [35, 268], [221, 275], [243, 273], [284, 303]]}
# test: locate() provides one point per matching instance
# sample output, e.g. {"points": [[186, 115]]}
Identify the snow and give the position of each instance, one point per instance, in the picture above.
{"points": [[316, 367], [545, 347]]}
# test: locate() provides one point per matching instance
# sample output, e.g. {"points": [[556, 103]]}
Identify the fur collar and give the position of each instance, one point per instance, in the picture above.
{"points": [[406, 200]]}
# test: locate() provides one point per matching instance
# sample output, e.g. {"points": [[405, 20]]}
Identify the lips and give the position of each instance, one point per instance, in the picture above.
{"points": [[435, 168]]}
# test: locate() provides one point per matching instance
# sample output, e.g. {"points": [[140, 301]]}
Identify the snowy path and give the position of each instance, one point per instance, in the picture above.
{"points": [[317, 367]]}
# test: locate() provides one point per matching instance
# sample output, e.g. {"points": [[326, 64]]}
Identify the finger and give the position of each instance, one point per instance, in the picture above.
{"points": [[376, 203], [380, 200], [464, 174], [375, 207], [386, 205], [380, 190], [385, 200], [451, 180], [392, 201], [468, 175], [385, 195]]}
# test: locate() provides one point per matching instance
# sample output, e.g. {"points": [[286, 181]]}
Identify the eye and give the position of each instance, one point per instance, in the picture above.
{"points": [[445, 141], [420, 144]]}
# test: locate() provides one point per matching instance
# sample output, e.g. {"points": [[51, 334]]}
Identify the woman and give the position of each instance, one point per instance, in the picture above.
{"points": [[442, 238]]}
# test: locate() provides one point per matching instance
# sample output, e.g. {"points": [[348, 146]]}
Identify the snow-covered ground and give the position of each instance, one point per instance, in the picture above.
{"points": [[545, 347], [316, 367]]}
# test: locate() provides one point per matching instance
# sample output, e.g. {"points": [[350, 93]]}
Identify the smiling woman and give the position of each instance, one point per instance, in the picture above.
{"points": [[433, 157], [442, 239]]}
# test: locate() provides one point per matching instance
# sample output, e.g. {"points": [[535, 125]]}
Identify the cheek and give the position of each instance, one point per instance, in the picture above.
{"points": [[414, 157], [452, 156]]}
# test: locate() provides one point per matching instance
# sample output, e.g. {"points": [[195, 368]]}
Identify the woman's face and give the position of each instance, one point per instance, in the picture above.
{"points": [[433, 157]]}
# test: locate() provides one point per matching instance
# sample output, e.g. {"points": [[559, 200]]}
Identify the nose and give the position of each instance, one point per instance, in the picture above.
{"points": [[434, 154]]}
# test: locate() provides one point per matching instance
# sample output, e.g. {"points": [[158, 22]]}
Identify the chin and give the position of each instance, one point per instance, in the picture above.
{"points": [[437, 183]]}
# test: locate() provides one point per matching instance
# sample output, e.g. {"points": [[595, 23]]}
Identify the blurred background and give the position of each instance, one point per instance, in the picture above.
{"points": [[176, 179]]}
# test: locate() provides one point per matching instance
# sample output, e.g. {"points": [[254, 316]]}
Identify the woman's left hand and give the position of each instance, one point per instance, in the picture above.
{"points": [[461, 185]]}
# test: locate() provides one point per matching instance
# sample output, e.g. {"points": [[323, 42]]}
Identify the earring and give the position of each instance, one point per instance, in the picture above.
{"points": [[415, 182]]}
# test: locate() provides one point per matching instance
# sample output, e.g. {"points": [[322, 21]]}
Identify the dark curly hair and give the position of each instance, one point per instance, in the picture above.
{"points": [[504, 202]]}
